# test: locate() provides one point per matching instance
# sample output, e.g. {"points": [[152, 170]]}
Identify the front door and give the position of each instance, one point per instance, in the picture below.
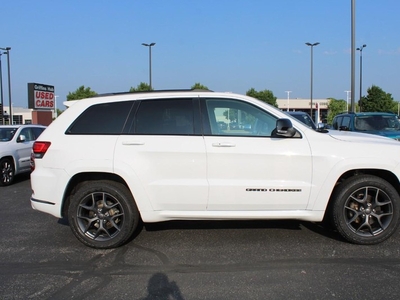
{"points": [[247, 169]]}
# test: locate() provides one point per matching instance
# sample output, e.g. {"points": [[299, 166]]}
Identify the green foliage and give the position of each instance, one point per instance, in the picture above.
{"points": [[231, 114], [81, 93], [336, 107], [265, 95], [377, 101], [142, 87], [199, 86]]}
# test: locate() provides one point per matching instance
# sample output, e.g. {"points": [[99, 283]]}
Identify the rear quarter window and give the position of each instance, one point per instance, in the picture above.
{"points": [[105, 118]]}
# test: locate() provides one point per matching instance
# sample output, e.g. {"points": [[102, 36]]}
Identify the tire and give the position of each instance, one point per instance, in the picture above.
{"points": [[7, 171], [103, 214], [365, 209]]}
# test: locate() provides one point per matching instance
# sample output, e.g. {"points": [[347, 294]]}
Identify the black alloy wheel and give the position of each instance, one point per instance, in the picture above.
{"points": [[7, 171], [366, 209], [102, 214]]}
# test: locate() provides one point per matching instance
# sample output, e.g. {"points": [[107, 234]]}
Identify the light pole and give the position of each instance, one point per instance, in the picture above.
{"points": [[287, 92], [1, 92], [55, 107], [149, 45], [311, 93], [361, 49], [347, 100], [7, 49]]}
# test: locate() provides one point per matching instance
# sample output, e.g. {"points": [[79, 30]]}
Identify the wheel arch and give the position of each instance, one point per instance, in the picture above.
{"points": [[12, 159], [81, 178], [390, 177]]}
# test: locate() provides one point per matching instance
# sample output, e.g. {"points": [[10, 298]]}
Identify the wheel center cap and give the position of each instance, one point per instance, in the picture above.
{"points": [[100, 214]]}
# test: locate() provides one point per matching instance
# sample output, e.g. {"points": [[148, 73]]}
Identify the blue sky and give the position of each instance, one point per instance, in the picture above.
{"points": [[227, 45]]}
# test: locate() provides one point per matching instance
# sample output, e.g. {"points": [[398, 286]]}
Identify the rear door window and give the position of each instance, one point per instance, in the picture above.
{"points": [[165, 117]]}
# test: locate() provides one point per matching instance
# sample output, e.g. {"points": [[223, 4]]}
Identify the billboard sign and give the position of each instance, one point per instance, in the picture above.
{"points": [[41, 96]]}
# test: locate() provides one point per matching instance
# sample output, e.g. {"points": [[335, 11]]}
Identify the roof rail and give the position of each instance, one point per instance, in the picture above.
{"points": [[346, 112], [152, 91]]}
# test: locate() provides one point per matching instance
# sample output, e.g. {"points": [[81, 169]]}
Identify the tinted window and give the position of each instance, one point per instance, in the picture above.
{"points": [[172, 116], [346, 122], [336, 122], [376, 122], [233, 117], [7, 133], [106, 118], [305, 119], [37, 131], [28, 134]]}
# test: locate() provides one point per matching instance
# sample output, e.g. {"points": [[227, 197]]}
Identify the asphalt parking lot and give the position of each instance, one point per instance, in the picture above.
{"points": [[41, 259]]}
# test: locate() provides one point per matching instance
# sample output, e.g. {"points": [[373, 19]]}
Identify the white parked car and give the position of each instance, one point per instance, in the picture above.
{"points": [[109, 162], [15, 150]]}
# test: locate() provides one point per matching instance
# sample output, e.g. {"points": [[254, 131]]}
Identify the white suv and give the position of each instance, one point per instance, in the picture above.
{"points": [[110, 162], [15, 150]]}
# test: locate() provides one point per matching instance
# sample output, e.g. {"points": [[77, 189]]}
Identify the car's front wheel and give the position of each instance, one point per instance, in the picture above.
{"points": [[103, 214], [7, 171], [365, 209]]}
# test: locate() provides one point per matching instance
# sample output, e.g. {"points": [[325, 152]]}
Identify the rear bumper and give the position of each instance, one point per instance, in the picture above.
{"points": [[46, 207]]}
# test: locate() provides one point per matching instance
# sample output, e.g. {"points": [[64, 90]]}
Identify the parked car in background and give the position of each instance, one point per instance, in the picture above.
{"points": [[379, 123], [303, 117], [15, 150], [110, 162]]}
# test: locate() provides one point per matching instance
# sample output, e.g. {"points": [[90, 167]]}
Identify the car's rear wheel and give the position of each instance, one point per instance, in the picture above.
{"points": [[7, 171], [365, 209], [103, 214]]}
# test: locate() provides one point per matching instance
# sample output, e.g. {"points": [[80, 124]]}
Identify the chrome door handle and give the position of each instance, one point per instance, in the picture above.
{"points": [[223, 145]]}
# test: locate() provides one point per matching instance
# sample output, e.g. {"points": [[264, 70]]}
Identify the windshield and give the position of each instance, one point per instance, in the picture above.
{"points": [[6, 134], [304, 118], [377, 123]]}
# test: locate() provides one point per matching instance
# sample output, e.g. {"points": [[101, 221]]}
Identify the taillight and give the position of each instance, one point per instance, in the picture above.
{"points": [[39, 149]]}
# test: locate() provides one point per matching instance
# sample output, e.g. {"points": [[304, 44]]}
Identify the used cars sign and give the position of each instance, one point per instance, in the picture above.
{"points": [[40, 96]]}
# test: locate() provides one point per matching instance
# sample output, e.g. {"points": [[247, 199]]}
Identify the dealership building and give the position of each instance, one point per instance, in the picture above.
{"points": [[319, 106]]}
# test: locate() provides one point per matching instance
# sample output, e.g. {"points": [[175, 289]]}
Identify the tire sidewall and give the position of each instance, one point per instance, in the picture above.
{"points": [[343, 193], [122, 194]]}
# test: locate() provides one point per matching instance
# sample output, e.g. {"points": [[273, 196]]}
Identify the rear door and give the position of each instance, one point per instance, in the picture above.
{"points": [[247, 169], [163, 154]]}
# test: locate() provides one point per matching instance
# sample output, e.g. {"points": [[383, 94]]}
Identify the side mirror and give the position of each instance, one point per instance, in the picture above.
{"points": [[21, 139], [284, 128]]}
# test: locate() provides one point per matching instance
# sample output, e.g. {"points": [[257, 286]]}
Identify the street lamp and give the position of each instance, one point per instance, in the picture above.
{"points": [[288, 92], [361, 49], [1, 92], [149, 45], [347, 100], [55, 107], [7, 49], [311, 93]]}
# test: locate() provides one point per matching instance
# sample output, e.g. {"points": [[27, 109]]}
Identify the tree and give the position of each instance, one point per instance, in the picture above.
{"points": [[377, 100], [81, 93], [265, 95], [142, 87], [199, 86], [336, 107], [59, 112]]}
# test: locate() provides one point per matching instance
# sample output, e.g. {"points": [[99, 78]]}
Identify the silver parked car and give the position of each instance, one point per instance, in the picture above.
{"points": [[15, 150]]}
